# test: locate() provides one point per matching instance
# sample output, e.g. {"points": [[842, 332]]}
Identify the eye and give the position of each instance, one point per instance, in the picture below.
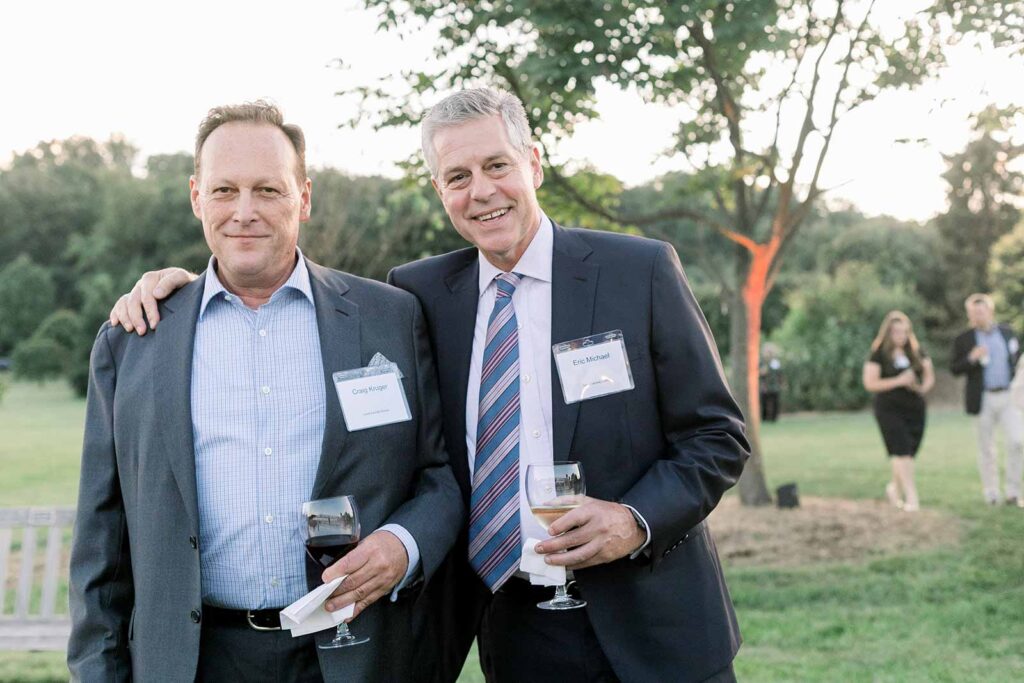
{"points": [[457, 179], [269, 191]]}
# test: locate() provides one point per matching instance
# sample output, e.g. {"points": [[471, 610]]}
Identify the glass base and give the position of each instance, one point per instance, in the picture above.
{"points": [[344, 641], [559, 603]]}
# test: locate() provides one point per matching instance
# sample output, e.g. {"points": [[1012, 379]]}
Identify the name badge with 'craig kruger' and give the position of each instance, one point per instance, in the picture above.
{"points": [[372, 396], [593, 366]]}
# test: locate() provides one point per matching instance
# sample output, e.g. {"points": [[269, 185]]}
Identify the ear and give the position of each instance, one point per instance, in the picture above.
{"points": [[306, 201], [536, 167], [437, 188], [193, 193]]}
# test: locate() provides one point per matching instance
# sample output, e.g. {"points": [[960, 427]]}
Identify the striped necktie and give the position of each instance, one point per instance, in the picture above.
{"points": [[494, 544]]}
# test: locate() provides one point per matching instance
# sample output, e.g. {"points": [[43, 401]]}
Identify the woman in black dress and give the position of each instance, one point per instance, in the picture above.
{"points": [[899, 373]]}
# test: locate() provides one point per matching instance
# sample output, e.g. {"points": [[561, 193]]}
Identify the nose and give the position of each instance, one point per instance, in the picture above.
{"points": [[245, 208], [481, 188]]}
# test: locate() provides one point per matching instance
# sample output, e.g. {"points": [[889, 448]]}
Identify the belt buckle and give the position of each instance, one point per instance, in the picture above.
{"points": [[254, 626]]}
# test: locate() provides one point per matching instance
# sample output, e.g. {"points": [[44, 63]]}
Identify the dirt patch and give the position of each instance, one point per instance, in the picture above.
{"points": [[825, 530]]}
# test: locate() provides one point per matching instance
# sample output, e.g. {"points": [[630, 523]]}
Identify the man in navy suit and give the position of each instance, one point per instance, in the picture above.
{"points": [[657, 457]]}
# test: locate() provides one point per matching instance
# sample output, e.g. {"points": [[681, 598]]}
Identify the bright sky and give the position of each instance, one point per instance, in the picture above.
{"points": [[150, 71]]}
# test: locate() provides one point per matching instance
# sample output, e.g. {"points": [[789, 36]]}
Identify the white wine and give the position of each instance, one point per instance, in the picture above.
{"points": [[546, 514]]}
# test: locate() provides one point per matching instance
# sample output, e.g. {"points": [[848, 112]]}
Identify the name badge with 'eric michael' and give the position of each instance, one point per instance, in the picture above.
{"points": [[371, 396], [593, 366]]}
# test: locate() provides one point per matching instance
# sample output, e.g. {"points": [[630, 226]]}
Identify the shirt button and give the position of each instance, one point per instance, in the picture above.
{"points": [[268, 451], [263, 333], [535, 433], [265, 390], [273, 581], [196, 616], [269, 519], [519, 325], [193, 542], [526, 378]]}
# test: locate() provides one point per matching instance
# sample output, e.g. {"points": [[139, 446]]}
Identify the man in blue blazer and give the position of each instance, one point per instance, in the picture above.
{"points": [[656, 457]]}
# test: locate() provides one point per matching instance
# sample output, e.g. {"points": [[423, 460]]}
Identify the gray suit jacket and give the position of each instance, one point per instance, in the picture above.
{"points": [[135, 579]]}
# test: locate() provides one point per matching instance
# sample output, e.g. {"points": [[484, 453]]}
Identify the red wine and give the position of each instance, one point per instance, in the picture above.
{"points": [[326, 550]]}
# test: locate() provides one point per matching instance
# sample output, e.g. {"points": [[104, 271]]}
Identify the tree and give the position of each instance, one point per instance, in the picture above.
{"points": [[761, 87], [26, 293], [983, 189], [1006, 271]]}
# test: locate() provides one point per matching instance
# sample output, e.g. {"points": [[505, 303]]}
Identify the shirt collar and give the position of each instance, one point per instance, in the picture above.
{"points": [[298, 280], [535, 261]]}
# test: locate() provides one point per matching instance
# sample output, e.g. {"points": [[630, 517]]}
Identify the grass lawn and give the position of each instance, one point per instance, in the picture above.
{"points": [[955, 614]]}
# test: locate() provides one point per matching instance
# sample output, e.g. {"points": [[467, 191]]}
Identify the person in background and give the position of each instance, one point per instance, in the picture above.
{"points": [[770, 373], [987, 354], [899, 374]]}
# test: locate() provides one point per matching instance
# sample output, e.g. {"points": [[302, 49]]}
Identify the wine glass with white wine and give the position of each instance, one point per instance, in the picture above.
{"points": [[553, 490]]}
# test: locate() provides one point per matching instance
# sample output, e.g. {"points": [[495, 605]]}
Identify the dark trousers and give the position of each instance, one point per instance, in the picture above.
{"points": [[238, 653], [520, 642], [769, 406]]}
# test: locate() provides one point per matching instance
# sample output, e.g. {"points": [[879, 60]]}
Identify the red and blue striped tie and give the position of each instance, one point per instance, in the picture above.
{"points": [[494, 545]]}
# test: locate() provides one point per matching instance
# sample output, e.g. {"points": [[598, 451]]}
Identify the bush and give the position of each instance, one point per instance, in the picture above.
{"points": [[26, 293], [1006, 273], [40, 359], [826, 337]]}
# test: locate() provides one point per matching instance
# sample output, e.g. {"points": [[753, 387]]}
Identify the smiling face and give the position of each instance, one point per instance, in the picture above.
{"points": [[489, 188], [250, 203], [898, 333]]}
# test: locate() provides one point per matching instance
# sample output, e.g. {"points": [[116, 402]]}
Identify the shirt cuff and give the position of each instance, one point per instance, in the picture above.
{"points": [[413, 551], [647, 530]]}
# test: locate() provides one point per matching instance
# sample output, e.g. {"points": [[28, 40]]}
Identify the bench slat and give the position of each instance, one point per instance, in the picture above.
{"points": [[54, 540], [28, 555], [5, 553]]}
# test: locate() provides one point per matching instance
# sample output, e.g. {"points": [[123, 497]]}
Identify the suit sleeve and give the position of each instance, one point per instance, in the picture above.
{"points": [[101, 588], [435, 513], [959, 363], [705, 441]]}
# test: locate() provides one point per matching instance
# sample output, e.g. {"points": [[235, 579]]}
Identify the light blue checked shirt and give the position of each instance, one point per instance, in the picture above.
{"points": [[258, 416]]}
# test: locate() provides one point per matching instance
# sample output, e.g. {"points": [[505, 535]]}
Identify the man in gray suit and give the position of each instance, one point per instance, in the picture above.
{"points": [[203, 440]]}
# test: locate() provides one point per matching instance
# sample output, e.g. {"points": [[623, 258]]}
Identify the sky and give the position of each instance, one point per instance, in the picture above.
{"points": [[152, 71]]}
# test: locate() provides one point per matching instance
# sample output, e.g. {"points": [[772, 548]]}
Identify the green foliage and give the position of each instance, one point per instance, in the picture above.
{"points": [[26, 294], [38, 358], [984, 188], [63, 327], [827, 335], [1007, 272]]}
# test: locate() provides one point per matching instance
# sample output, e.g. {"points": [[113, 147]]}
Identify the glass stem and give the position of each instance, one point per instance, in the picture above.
{"points": [[560, 593], [342, 632]]}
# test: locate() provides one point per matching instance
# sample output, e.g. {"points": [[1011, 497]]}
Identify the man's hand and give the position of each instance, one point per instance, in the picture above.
{"points": [[151, 287], [597, 532], [977, 353], [375, 567]]}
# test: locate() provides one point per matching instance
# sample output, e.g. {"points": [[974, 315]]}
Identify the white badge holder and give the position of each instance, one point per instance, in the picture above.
{"points": [[372, 396], [593, 366]]}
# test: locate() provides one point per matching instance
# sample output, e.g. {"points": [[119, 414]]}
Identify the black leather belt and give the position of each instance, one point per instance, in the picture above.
{"points": [[256, 619], [997, 390]]}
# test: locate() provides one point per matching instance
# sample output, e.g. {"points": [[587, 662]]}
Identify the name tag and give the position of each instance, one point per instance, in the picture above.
{"points": [[371, 396], [593, 366]]}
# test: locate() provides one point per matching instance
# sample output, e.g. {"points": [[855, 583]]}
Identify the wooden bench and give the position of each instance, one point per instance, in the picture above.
{"points": [[34, 624]]}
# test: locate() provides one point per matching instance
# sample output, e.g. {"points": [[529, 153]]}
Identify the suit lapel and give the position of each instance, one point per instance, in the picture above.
{"points": [[573, 292], [337, 321], [172, 389], [456, 315]]}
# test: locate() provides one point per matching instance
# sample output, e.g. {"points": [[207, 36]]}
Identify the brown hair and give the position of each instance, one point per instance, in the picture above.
{"points": [[259, 111], [883, 339]]}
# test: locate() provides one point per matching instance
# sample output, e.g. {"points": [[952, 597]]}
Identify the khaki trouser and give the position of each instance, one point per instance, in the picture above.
{"points": [[998, 409]]}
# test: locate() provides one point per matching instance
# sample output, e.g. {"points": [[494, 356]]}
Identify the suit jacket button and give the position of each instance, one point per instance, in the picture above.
{"points": [[196, 616], [193, 542]]}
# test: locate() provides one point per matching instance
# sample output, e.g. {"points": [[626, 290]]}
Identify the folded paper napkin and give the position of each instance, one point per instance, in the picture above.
{"points": [[307, 614], [541, 573]]}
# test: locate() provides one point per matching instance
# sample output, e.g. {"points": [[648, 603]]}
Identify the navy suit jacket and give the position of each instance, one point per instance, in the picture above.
{"points": [[670, 448], [960, 365]]}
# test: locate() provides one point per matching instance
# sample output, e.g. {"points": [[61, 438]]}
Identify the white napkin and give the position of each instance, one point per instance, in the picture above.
{"points": [[307, 614], [541, 573]]}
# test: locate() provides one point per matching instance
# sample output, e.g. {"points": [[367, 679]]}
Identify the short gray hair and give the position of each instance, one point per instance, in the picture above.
{"points": [[472, 104]]}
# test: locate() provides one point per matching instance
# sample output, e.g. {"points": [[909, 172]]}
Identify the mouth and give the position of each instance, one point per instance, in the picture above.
{"points": [[492, 215]]}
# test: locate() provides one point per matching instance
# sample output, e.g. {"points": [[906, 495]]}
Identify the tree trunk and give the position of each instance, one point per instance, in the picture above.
{"points": [[745, 349]]}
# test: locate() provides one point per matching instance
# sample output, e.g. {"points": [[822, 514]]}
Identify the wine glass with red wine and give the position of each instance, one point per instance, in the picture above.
{"points": [[553, 490], [330, 527]]}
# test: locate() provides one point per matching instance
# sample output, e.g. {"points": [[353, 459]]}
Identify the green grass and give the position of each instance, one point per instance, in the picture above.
{"points": [[954, 614]]}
